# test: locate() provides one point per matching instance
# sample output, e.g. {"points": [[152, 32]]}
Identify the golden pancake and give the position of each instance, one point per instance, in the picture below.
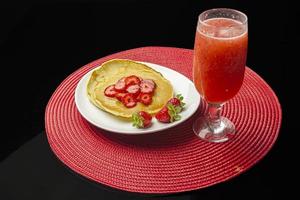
{"points": [[112, 71]]}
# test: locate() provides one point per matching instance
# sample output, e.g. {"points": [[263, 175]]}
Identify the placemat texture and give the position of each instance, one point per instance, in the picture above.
{"points": [[170, 161]]}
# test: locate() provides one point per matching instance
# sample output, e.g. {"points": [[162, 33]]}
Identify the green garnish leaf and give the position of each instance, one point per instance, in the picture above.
{"points": [[180, 97], [137, 121], [173, 112]]}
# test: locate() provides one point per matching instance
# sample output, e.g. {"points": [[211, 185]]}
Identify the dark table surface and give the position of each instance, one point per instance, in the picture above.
{"points": [[42, 43]]}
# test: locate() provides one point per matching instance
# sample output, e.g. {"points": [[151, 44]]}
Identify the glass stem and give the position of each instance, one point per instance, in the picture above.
{"points": [[214, 115]]}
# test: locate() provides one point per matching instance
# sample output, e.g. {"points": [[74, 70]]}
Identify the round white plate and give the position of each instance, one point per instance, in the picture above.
{"points": [[181, 85]]}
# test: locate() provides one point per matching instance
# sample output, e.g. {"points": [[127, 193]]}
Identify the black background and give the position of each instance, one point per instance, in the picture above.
{"points": [[41, 43]]}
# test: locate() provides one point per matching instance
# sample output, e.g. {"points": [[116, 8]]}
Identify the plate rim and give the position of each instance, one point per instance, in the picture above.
{"points": [[138, 131]]}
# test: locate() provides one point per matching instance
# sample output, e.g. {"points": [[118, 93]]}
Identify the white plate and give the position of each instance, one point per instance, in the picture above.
{"points": [[181, 85]]}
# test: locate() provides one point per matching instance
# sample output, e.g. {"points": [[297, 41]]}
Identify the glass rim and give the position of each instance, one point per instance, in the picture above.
{"points": [[244, 22]]}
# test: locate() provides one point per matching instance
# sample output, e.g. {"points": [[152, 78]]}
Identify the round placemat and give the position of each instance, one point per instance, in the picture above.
{"points": [[173, 160]]}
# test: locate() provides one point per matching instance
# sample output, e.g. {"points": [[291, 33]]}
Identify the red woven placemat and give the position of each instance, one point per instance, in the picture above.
{"points": [[174, 160]]}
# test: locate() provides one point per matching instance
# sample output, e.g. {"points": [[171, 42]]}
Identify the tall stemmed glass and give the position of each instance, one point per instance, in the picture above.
{"points": [[220, 53]]}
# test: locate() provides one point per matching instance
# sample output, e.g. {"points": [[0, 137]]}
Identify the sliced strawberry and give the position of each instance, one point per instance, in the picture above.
{"points": [[146, 87], [131, 104], [120, 95], [141, 119], [120, 86], [151, 82], [138, 98], [110, 91], [128, 100], [132, 80], [146, 99], [134, 90]]}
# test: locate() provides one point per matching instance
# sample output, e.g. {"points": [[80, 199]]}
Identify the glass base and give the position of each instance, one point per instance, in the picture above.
{"points": [[222, 133]]}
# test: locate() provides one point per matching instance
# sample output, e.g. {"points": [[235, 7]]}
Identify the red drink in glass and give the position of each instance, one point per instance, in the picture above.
{"points": [[219, 59], [220, 53]]}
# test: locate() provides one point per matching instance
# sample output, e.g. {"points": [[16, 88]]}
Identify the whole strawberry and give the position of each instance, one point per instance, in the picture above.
{"points": [[168, 113], [177, 101], [142, 119]]}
